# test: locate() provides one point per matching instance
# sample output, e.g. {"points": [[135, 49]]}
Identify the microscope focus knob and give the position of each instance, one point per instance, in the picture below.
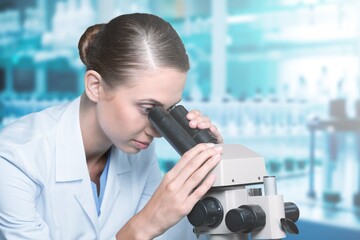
{"points": [[289, 226], [206, 213], [292, 212], [245, 218]]}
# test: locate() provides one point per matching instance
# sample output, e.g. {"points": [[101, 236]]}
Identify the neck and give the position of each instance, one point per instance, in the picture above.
{"points": [[96, 167], [96, 144]]}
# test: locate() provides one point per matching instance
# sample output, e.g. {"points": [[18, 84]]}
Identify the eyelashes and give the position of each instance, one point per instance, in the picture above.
{"points": [[145, 109]]}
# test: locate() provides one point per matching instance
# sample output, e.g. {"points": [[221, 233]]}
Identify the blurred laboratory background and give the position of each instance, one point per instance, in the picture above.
{"points": [[278, 76]]}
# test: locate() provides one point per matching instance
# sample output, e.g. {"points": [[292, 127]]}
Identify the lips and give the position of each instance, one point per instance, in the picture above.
{"points": [[141, 144]]}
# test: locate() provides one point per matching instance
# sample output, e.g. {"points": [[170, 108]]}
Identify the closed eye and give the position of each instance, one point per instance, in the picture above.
{"points": [[145, 108]]}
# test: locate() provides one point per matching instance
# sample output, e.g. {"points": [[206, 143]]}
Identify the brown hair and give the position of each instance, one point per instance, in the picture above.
{"points": [[131, 42]]}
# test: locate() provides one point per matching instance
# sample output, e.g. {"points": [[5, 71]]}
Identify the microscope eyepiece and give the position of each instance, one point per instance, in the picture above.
{"points": [[174, 127], [170, 130], [179, 113]]}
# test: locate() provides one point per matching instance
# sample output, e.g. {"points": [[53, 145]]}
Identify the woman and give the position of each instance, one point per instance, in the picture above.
{"points": [[87, 169]]}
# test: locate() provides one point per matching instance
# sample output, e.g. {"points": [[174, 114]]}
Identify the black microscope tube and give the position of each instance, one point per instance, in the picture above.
{"points": [[199, 135], [171, 130]]}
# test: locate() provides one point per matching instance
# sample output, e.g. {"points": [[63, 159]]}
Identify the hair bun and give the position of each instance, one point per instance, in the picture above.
{"points": [[86, 40]]}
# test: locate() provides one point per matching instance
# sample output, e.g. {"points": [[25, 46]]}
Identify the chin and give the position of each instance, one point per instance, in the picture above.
{"points": [[128, 149], [133, 151]]}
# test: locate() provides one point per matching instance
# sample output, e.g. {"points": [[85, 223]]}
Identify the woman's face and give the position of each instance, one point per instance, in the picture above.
{"points": [[122, 113]]}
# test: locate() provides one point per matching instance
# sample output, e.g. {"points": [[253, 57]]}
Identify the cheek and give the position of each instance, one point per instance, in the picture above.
{"points": [[120, 122], [110, 118]]}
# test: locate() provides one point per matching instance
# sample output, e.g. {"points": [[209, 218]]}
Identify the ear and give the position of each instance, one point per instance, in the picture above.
{"points": [[92, 85]]}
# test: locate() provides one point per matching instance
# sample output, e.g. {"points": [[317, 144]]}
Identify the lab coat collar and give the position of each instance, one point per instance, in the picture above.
{"points": [[71, 165], [70, 153], [118, 176], [71, 160]]}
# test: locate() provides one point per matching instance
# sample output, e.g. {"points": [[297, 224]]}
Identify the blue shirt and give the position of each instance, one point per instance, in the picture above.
{"points": [[98, 198]]}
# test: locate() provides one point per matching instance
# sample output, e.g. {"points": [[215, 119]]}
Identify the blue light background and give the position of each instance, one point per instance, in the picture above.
{"points": [[262, 70]]}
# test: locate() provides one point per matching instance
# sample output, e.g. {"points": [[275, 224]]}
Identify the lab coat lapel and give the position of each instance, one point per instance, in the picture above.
{"points": [[71, 161], [86, 200], [118, 177]]}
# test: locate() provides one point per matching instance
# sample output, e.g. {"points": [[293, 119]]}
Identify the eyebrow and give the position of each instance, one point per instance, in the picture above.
{"points": [[153, 101]]}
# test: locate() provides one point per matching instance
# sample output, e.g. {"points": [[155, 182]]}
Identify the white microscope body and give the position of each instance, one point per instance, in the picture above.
{"points": [[230, 209]]}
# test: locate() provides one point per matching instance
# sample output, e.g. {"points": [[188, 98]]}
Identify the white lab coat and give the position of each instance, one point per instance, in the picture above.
{"points": [[45, 190]]}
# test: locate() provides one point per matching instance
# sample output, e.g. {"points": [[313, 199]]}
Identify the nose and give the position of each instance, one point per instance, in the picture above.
{"points": [[151, 131]]}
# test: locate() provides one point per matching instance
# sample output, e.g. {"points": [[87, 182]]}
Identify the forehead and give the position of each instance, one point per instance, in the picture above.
{"points": [[162, 84]]}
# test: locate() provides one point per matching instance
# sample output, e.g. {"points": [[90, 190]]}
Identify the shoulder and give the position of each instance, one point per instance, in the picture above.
{"points": [[33, 126], [29, 142]]}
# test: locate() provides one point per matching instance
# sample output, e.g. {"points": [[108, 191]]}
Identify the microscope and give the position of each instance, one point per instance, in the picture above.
{"points": [[235, 208]]}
